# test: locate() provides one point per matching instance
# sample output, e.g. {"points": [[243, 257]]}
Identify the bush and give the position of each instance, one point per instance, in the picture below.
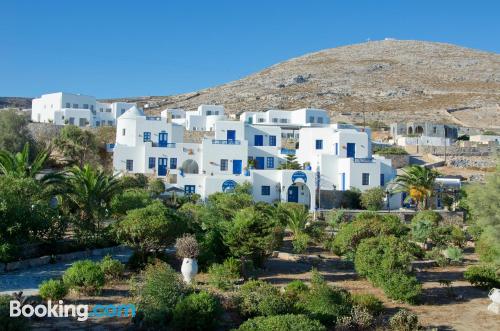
{"points": [[482, 276], [404, 320], [11, 323], [287, 322], [323, 302], [295, 289], [384, 261], [197, 311], [427, 215], [391, 150], [52, 289], [157, 293], [85, 277], [224, 276], [458, 237], [454, 254], [474, 231], [366, 225], [300, 242], [187, 247], [261, 298], [373, 304], [359, 319], [373, 199], [156, 187], [421, 230], [113, 269], [436, 255], [129, 200]]}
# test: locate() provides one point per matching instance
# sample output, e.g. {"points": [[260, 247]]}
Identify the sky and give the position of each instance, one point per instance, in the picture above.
{"points": [[111, 48]]}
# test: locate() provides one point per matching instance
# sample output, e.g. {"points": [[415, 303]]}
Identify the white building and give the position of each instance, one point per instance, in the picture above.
{"points": [[242, 152], [202, 119], [485, 139], [81, 110]]}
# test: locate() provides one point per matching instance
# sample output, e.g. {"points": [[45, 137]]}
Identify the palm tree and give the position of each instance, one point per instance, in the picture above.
{"points": [[418, 182], [19, 164], [88, 192], [298, 216]]}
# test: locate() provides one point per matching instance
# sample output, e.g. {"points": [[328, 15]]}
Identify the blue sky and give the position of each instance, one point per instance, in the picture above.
{"points": [[112, 48]]}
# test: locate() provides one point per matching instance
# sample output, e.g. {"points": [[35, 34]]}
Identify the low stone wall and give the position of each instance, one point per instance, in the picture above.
{"points": [[43, 260], [398, 161]]}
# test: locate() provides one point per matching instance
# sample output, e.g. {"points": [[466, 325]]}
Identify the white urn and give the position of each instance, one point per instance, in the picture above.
{"points": [[189, 269]]}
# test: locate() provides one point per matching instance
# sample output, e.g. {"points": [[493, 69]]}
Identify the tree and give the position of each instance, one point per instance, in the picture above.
{"points": [[482, 200], [128, 200], [373, 199], [156, 187], [290, 163], [88, 192], [149, 229], [297, 217], [14, 133], [77, 145], [418, 182], [20, 165], [253, 233]]}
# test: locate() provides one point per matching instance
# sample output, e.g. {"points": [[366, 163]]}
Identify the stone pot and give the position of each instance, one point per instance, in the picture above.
{"points": [[189, 269]]}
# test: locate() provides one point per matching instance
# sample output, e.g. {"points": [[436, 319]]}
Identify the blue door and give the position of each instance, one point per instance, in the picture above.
{"points": [[258, 140], [231, 135], [293, 194], [351, 149], [237, 167], [162, 166], [162, 139], [259, 162]]}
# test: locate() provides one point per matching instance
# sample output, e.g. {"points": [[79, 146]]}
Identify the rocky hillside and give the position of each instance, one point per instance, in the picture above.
{"points": [[387, 80]]}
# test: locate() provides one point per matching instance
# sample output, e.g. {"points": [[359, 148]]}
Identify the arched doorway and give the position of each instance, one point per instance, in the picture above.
{"points": [[190, 167], [410, 130], [419, 129], [299, 193]]}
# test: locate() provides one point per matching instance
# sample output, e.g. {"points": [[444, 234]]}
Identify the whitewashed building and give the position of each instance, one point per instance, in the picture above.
{"points": [[333, 157], [81, 110]]}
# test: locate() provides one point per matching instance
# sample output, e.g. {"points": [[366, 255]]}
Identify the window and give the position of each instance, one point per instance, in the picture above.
{"points": [[75, 105], [260, 120], [223, 165], [209, 112], [152, 162], [216, 112], [72, 121], [108, 110], [382, 179], [434, 130], [336, 148], [122, 111], [365, 179], [173, 163], [272, 140], [258, 140], [92, 107], [101, 109], [275, 120], [68, 105], [283, 120], [97, 123], [147, 136], [189, 189], [265, 190], [82, 122], [270, 162], [85, 106], [123, 132], [110, 123], [130, 165], [320, 120], [311, 119], [319, 144]]}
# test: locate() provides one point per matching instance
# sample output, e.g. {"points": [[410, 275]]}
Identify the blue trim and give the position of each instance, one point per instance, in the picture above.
{"points": [[258, 140], [319, 144], [299, 175], [152, 162], [265, 190], [228, 185], [147, 136], [272, 140], [270, 162]]}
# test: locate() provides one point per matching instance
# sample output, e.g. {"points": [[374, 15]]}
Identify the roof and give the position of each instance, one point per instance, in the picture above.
{"points": [[133, 112]]}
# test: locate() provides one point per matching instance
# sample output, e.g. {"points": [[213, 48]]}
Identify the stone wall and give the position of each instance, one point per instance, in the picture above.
{"points": [[398, 161]]}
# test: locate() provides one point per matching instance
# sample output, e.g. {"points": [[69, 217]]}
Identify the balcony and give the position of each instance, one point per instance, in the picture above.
{"points": [[153, 118], [287, 151], [363, 160], [165, 145], [226, 142]]}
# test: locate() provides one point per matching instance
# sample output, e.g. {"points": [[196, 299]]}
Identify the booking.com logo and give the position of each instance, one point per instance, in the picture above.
{"points": [[80, 311]]}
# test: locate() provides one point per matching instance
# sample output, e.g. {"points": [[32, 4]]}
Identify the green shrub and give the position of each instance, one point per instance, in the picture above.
{"points": [[260, 298], [85, 277], [287, 322], [488, 247], [458, 237], [384, 261], [197, 311], [224, 276], [156, 187], [436, 255], [113, 269], [427, 215], [323, 302], [129, 200], [373, 199], [390, 150], [156, 293], [52, 289], [7, 252], [296, 289], [300, 242], [11, 323], [366, 225], [421, 230], [454, 254], [404, 320], [482, 276], [475, 231], [359, 319], [373, 304]]}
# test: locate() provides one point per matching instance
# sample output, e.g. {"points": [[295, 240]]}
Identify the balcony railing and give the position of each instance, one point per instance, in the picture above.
{"points": [[166, 145], [287, 151], [153, 118], [363, 160], [226, 142]]}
